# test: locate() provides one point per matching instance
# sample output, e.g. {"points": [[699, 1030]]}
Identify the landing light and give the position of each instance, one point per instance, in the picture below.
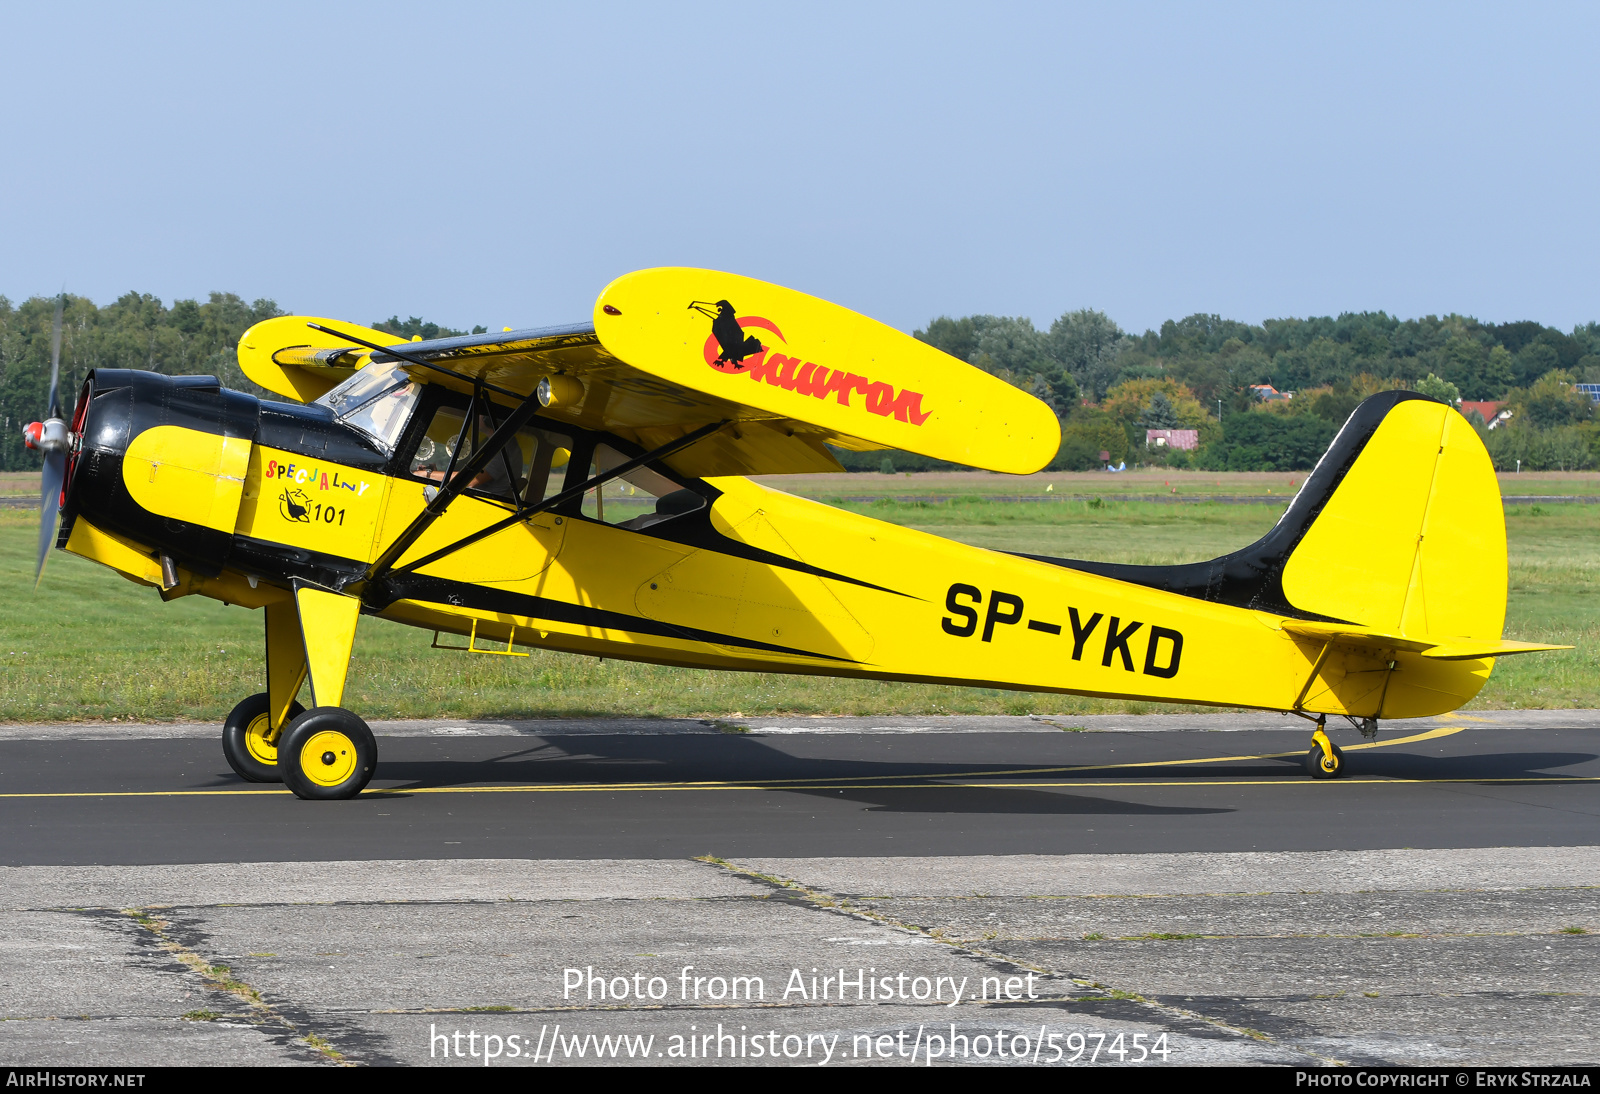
{"points": [[559, 391]]}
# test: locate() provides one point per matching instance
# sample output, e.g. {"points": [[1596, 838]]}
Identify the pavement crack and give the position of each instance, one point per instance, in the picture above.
{"points": [[799, 893], [160, 923]]}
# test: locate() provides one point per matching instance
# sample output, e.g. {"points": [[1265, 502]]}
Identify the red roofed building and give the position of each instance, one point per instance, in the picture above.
{"points": [[1492, 413], [1186, 439], [1269, 394]]}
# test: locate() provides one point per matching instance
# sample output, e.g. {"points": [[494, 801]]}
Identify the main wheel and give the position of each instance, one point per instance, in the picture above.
{"points": [[246, 742], [327, 753], [1322, 765]]}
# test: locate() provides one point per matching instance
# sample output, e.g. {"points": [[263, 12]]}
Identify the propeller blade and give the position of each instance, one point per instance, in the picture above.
{"points": [[55, 359], [55, 471]]}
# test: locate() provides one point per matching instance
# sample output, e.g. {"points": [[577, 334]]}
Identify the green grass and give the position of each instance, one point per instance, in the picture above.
{"points": [[1051, 483], [1155, 481], [88, 646]]}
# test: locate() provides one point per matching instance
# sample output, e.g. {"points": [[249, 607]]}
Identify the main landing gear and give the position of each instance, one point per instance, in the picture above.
{"points": [[249, 741], [323, 753], [327, 753]]}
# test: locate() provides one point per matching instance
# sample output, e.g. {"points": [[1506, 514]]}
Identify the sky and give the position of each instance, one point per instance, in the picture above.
{"points": [[498, 164]]}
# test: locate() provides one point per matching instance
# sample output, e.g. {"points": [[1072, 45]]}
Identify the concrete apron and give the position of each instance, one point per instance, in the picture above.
{"points": [[1397, 956]]}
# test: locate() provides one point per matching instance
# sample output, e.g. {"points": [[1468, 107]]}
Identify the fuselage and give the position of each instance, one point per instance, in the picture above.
{"points": [[195, 489]]}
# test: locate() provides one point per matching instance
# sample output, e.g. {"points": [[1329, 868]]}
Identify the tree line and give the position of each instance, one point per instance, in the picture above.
{"points": [[1108, 386], [136, 331]]}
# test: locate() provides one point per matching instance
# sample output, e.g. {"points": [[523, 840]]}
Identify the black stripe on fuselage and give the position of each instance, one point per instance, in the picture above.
{"points": [[462, 594], [696, 530], [1253, 577]]}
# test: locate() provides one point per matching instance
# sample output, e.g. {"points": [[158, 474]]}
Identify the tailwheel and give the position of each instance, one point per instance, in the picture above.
{"points": [[248, 742], [327, 753], [1325, 760]]}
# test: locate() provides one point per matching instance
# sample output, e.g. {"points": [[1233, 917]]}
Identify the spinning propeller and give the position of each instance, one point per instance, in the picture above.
{"points": [[53, 438]]}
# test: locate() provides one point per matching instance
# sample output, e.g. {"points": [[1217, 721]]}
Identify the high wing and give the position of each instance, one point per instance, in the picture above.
{"points": [[670, 350]]}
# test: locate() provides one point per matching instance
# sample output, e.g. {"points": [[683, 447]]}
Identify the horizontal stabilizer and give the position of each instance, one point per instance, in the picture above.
{"points": [[1469, 649], [1438, 649]]}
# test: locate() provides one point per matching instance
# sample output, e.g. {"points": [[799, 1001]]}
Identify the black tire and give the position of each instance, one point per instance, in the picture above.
{"points": [[1314, 765], [252, 758], [327, 754]]}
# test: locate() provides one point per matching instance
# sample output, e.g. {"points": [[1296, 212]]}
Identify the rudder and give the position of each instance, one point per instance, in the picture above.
{"points": [[1400, 524], [1411, 538]]}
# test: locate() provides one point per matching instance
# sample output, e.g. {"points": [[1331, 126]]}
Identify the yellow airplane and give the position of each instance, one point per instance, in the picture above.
{"points": [[583, 489]]}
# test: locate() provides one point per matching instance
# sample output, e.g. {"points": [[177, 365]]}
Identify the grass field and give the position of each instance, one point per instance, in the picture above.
{"points": [[1066, 484], [1181, 484], [89, 646]]}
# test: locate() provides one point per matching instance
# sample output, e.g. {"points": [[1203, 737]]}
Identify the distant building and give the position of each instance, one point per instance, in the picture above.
{"points": [[1591, 390], [1269, 394], [1493, 413], [1186, 439]]}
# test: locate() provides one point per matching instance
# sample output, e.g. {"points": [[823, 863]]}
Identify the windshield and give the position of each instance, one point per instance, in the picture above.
{"points": [[377, 400]]}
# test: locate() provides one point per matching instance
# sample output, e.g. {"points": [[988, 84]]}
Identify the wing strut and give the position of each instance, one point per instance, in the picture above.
{"points": [[527, 511]]}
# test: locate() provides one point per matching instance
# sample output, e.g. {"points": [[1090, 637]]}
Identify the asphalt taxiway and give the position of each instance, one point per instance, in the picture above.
{"points": [[1172, 880], [1045, 787]]}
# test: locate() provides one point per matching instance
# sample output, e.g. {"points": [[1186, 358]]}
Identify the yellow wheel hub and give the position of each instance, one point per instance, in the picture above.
{"points": [[328, 758], [1330, 760], [260, 741]]}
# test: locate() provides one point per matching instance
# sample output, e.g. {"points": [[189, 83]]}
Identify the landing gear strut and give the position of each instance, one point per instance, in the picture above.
{"points": [[1325, 760], [323, 753]]}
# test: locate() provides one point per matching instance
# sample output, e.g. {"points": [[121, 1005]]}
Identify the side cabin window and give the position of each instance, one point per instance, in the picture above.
{"points": [[635, 499], [531, 467], [543, 460], [378, 400]]}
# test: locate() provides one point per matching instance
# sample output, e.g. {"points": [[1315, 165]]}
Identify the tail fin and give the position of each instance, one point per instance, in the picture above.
{"points": [[1392, 556], [1410, 536], [1399, 529]]}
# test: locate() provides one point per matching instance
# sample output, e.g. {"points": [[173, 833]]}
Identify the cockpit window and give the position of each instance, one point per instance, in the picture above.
{"points": [[523, 467], [637, 499], [378, 400]]}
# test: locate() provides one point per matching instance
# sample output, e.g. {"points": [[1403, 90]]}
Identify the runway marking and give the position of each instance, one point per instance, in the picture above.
{"points": [[927, 783], [1062, 785], [936, 781]]}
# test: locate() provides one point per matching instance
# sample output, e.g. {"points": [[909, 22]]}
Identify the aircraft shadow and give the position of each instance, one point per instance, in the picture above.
{"points": [[1536, 766], [731, 758], [614, 759], [629, 758]]}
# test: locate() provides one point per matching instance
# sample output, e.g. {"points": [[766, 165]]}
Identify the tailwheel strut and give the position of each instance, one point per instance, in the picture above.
{"points": [[1324, 760]]}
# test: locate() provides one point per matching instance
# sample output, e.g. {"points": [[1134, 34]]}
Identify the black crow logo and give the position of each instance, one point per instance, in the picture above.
{"points": [[294, 505], [736, 345]]}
